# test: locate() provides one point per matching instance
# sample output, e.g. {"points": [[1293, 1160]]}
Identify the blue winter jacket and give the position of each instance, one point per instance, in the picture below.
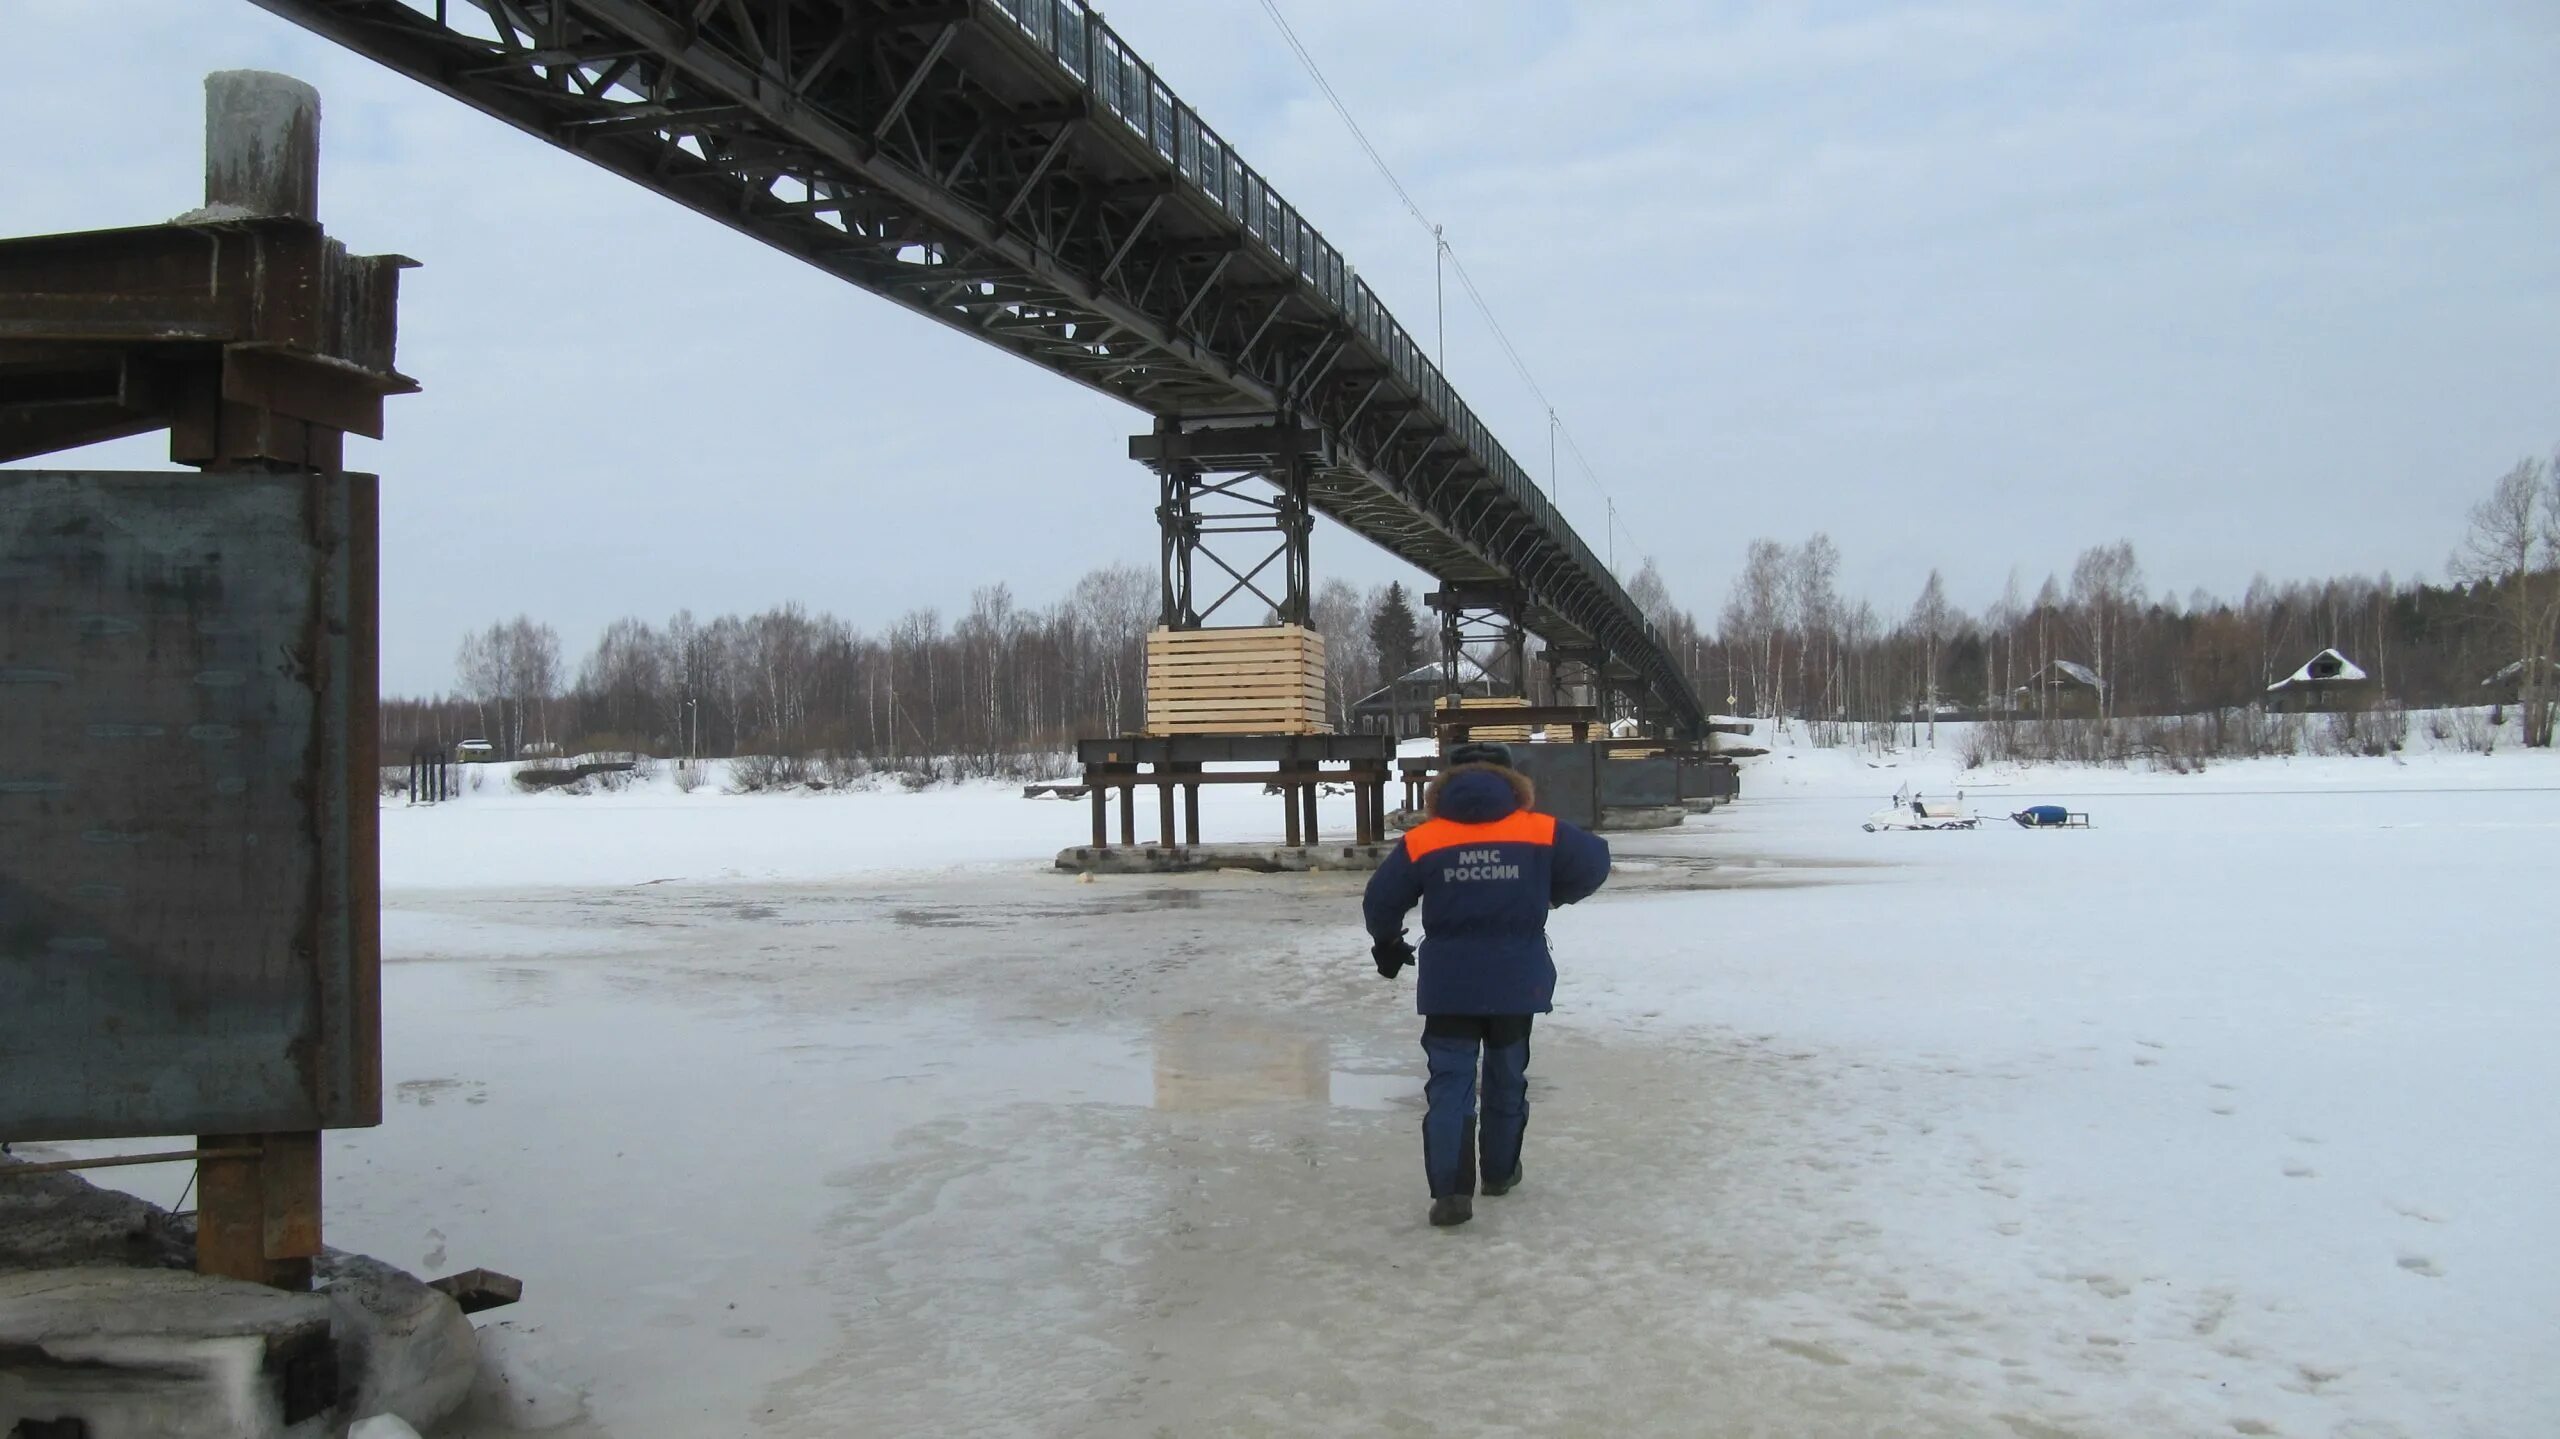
{"points": [[1486, 870]]}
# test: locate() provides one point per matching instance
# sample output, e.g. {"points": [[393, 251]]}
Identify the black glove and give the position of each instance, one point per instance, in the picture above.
{"points": [[1392, 956]]}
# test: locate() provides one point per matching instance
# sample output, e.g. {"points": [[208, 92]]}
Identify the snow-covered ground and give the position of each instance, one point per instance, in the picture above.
{"points": [[817, 1115], [496, 835]]}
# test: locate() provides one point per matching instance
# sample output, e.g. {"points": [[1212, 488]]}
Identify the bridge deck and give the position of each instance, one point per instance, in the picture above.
{"points": [[1011, 169]]}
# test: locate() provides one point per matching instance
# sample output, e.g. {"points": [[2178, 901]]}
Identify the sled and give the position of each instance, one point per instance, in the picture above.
{"points": [[2050, 816]]}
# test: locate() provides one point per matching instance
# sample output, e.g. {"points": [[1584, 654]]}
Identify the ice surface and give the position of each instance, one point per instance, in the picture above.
{"points": [[2227, 1116]]}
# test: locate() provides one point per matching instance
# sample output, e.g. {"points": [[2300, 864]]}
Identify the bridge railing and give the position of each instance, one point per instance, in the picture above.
{"points": [[1128, 88]]}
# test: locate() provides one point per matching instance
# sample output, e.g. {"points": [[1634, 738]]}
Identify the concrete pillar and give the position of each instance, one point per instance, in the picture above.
{"points": [[261, 145]]}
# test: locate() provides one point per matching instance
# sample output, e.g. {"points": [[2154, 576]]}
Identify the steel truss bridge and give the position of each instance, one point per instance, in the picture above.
{"points": [[1011, 169]]}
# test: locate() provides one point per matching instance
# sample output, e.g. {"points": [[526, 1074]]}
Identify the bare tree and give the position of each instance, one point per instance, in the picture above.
{"points": [[2512, 551], [1351, 663], [1755, 622], [1118, 605], [1932, 621], [1653, 597], [515, 666], [2106, 595], [1813, 596]]}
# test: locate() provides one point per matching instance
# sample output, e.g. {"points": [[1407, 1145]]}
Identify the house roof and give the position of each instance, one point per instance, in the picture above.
{"points": [[2080, 672], [1435, 675], [2345, 673], [2514, 670]]}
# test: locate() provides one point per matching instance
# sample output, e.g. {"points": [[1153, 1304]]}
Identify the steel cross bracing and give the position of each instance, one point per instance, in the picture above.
{"points": [[1010, 169]]}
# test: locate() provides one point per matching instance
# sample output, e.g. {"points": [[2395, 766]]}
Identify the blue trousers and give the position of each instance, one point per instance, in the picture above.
{"points": [[1454, 1043]]}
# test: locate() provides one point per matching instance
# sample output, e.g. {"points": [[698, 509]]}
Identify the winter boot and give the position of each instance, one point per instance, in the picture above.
{"points": [[1495, 1188], [1452, 1209]]}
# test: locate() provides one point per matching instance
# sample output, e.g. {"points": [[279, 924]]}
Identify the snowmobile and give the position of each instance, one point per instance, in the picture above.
{"points": [[1921, 814]]}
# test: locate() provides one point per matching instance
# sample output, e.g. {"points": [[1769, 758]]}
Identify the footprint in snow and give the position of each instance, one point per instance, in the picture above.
{"points": [[1814, 1352], [2421, 1264]]}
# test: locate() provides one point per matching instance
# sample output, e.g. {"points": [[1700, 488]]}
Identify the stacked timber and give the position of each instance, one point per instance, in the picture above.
{"points": [[1490, 733], [1256, 681]]}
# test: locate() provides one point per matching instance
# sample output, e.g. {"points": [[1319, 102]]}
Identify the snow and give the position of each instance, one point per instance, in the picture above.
{"points": [[652, 832], [865, 1122]]}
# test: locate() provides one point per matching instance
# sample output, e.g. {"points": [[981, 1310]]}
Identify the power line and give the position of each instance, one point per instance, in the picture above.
{"points": [[1273, 8], [1443, 249]]}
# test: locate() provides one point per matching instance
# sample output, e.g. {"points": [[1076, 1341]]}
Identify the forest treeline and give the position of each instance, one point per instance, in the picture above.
{"points": [[1004, 680]]}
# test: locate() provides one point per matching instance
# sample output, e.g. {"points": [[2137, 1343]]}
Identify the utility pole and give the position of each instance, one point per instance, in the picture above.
{"points": [[1555, 482], [1440, 294]]}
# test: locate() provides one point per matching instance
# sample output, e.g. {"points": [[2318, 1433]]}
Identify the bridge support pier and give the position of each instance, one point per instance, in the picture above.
{"points": [[1590, 675], [1480, 631], [1232, 520]]}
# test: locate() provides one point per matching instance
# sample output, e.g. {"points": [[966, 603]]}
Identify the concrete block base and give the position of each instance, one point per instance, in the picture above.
{"points": [[1651, 816], [162, 1352], [1203, 858], [102, 1328]]}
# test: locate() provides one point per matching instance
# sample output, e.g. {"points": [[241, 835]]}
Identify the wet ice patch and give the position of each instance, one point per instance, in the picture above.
{"points": [[414, 934]]}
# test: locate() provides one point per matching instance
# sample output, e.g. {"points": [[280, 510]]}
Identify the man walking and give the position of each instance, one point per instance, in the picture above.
{"points": [[1486, 869]]}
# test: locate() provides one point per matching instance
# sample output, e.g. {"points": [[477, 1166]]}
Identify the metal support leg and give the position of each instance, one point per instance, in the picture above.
{"points": [[1165, 835], [1289, 804], [1308, 794], [1101, 808], [1191, 808], [1129, 811]]}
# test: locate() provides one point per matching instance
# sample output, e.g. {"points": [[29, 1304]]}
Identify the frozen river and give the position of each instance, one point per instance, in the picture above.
{"points": [[2229, 1116]]}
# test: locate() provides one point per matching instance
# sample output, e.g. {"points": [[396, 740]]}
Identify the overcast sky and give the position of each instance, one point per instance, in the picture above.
{"points": [[2261, 287]]}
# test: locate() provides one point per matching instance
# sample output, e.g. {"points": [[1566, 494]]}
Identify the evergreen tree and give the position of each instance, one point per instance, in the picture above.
{"points": [[1395, 634]]}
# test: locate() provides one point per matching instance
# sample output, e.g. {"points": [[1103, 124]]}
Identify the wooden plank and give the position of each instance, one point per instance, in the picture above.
{"points": [[1269, 674], [476, 1289], [1160, 632], [1240, 688], [1187, 659], [1235, 654], [1224, 695], [1164, 640], [1266, 680], [1180, 658], [1233, 639], [1243, 670]]}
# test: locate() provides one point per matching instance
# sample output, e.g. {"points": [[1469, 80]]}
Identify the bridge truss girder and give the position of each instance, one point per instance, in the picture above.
{"points": [[943, 155]]}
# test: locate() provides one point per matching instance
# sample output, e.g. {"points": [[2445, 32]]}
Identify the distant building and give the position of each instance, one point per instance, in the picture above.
{"points": [[2507, 685], [1403, 707], [2326, 681], [2068, 686]]}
